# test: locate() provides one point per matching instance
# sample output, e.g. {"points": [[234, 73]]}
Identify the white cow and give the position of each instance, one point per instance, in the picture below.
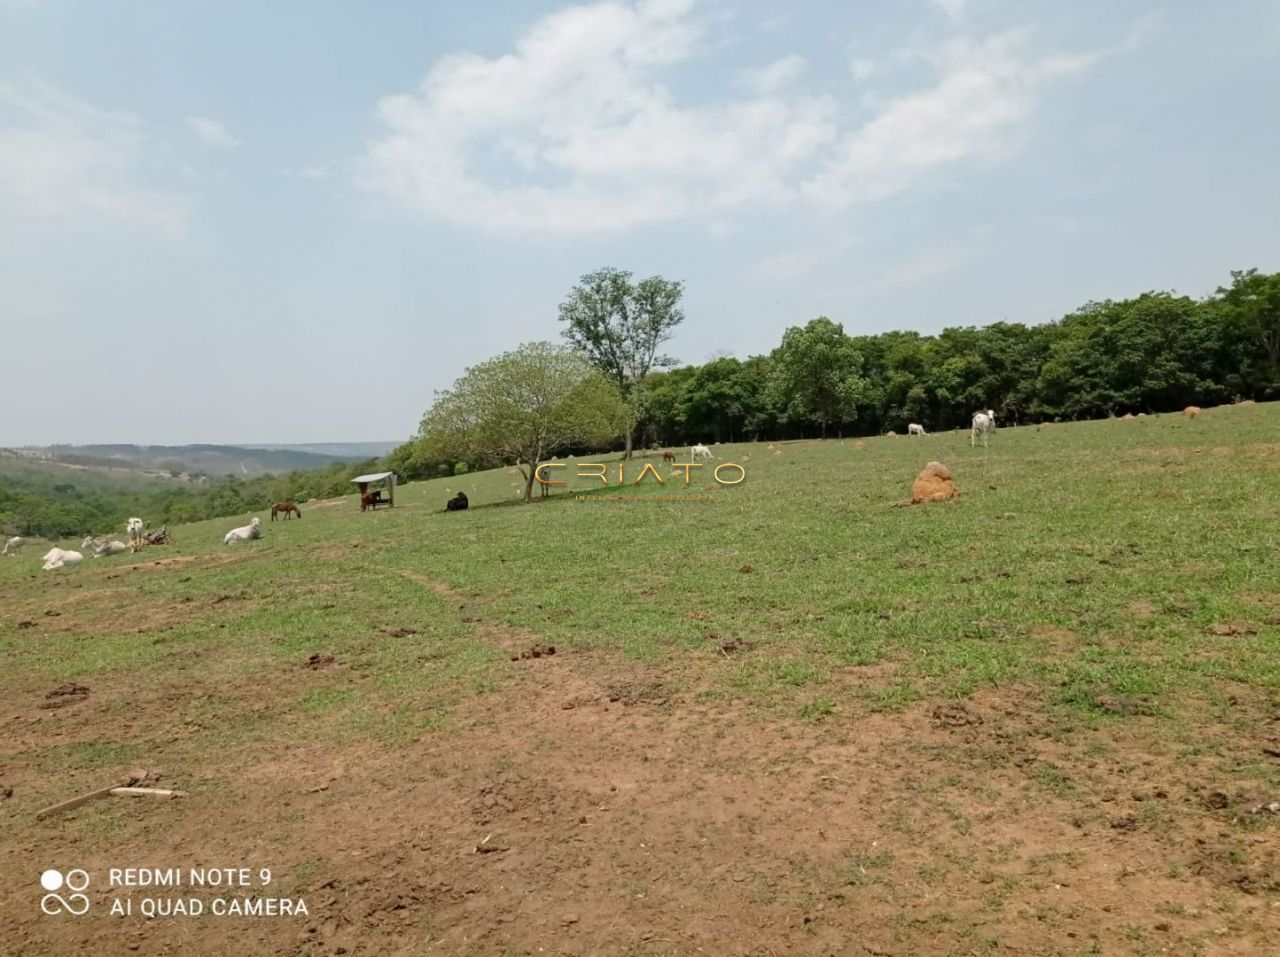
{"points": [[984, 423], [134, 527], [700, 451], [245, 532], [915, 428], [14, 545], [57, 557], [97, 547]]}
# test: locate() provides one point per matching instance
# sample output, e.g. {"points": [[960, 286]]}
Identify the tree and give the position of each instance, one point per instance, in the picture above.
{"points": [[522, 407], [620, 325], [664, 405], [1253, 307], [817, 374], [718, 399], [1156, 352]]}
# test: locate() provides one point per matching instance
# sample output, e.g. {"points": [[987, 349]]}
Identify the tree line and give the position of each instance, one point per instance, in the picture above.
{"points": [[1157, 352], [610, 386]]}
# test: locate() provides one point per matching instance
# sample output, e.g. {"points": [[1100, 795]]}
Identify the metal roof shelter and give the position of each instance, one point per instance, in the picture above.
{"points": [[389, 483]]}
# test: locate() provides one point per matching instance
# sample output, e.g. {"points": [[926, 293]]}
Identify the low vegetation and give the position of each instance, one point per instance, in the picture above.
{"points": [[51, 501]]}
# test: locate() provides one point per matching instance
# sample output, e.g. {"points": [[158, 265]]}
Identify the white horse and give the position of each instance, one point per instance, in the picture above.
{"points": [[134, 527], [984, 423], [915, 428], [700, 451], [57, 557], [14, 545], [97, 547], [245, 532]]}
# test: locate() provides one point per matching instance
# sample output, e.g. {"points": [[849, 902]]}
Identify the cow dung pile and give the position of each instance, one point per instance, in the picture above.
{"points": [[933, 484]]}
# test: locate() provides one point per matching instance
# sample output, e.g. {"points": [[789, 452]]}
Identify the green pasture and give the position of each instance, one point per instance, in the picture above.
{"points": [[1084, 562]]}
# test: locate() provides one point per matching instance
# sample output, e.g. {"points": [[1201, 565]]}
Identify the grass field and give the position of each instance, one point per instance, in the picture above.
{"points": [[782, 717]]}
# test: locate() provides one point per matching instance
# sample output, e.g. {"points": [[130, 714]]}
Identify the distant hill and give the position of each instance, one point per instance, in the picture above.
{"points": [[346, 451], [187, 462]]}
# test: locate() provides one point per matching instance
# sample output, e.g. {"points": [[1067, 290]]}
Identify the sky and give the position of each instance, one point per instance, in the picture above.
{"points": [[295, 221]]}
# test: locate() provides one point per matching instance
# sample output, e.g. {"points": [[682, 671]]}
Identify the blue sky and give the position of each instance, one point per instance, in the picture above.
{"points": [[292, 222]]}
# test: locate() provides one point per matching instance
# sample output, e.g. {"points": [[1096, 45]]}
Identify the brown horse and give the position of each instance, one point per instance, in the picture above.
{"points": [[668, 457], [286, 508]]}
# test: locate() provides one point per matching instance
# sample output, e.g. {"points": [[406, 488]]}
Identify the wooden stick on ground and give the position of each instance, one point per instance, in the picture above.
{"points": [[148, 792], [113, 790], [74, 802]]}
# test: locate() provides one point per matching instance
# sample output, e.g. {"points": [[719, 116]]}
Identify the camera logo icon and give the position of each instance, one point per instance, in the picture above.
{"points": [[76, 881]]}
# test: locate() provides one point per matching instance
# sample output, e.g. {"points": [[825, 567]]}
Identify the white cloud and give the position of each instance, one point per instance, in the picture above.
{"points": [[926, 265], [60, 157], [783, 267], [952, 8], [595, 140], [776, 76], [211, 131], [861, 68], [985, 88], [798, 263], [316, 172], [575, 132]]}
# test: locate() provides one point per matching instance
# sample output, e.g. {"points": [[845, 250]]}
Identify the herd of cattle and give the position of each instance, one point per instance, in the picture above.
{"points": [[95, 547], [984, 424]]}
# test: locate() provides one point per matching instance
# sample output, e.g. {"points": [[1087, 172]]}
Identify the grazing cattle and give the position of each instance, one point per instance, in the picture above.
{"points": [[458, 503], [915, 428], [57, 557], [289, 509], [1191, 411], [245, 532], [668, 456], [14, 545], [701, 452], [160, 537], [97, 547], [984, 423], [134, 527]]}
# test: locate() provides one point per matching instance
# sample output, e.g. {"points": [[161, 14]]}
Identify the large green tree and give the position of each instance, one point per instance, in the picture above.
{"points": [[817, 375], [718, 400], [620, 325], [521, 407], [1252, 304]]}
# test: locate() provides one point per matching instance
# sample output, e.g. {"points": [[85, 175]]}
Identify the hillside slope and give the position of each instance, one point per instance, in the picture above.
{"points": [[778, 717], [183, 460]]}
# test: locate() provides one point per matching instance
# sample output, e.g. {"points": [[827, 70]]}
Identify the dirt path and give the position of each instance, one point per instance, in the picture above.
{"points": [[589, 809]]}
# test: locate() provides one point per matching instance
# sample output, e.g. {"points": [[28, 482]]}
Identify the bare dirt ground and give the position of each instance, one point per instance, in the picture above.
{"points": [[589, 809]]}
